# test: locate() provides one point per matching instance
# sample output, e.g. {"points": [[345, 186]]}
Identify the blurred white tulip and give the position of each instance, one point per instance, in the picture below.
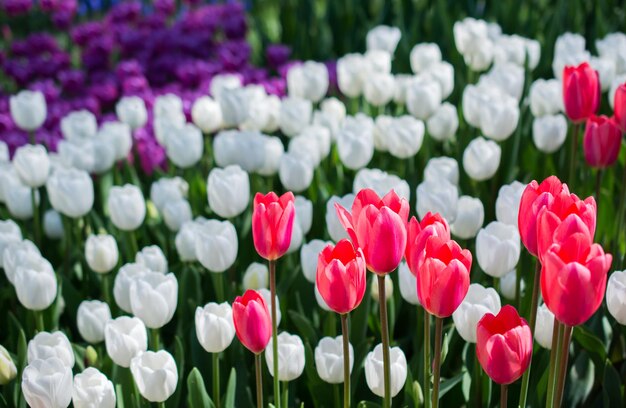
{"points": [[224, 81], [498, 248], [423, 97], [53, 225], [18, 199], [309, 254], [126, 206], [404, 136], [569, 49], [70, 192], [469, 219], [132, 111], [308, 81], [15, 253], [499, 118], [481, 159], [28, 110], [155, 374], [9, 232], [381, 182], [122, 283], [349, 69], [268, 302], [295, 115], [153, 258], [478, 301], [379, 88], [35, 282], [273, 150], [546, 97], [91, 318], [8, 370], [184, 146], [167, 105], [508, 285], [101, 253], [228, 191], [383, 38], [92, 389], [329, 359], [295, 174], [153, 298], [442, 167], [166, 189], [214, 326], [544, 326], [407, 284], [32, 165], [355, 142], [176, 213], [423, 56], [437, 196], [333, 226], [507, 203], [290, 357], [185, 242], [256, 276], [549, 132], [606, 71], [472, 40], [216, 245], [119, 135], [206, 114], [45, 345], [443, 123], [388, 289], [78, 125], [47, 384], [616, 296]]}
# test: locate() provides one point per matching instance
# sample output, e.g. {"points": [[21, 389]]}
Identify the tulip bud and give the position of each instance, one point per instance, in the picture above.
{"points": [[388, 289], [228, 191], [176, 213], [91, 356], [256, 276], [423, 97], [253, 324], [153, 258], [124, 338], [153, 298], [544, 327], [167, 190], [478, 301], [481, 159], [15, 254], [602, 141], [437, 196], [329, 359], [443, 123], [93, 389], [216, 245], [404, 136], [333, 225], [155, 374], [407, 284], [46, 345], [127, 208], [308, 81], [101, 253], [9, 232], [123, 280], [616, 296], [8, 371], [70, 192], [442, 167], [91, 318], [470, 216], [118, 134], [499, 118], [32, 165], [546, 97], [28, 110], [581, 91], [498, 248], [47, 383], [397, 370], [214, 326], [132, 111], [423, 56], [35, 283], [290, 357]]}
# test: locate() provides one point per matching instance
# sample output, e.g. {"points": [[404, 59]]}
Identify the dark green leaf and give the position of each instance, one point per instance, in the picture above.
{"points": [[197, 396], [230, 389]]}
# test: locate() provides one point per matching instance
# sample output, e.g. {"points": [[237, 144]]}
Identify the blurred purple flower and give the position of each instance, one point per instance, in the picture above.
{"points": [[16, 7], [72, 81], [151, 154], [48, 88], [234, 54], [166, 7], [82, 34], [277, 54]]}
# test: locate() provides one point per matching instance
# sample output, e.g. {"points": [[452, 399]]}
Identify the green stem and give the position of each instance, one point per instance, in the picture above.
{"points": [[161, 404], [346, 360], [598, 186], [384, 332], [155, 339], [560, 385], [437, 363], [39, 324], [573, 158], [532, 321], [554, 358], [216, 380], [285, 395], [518, 286], [259, 381], [218, 284], [337, 397], [31, 137], [106, 288], [478, 377], [272, 267], [36, 218], [132, 242], [504, 388], [426, 359]]}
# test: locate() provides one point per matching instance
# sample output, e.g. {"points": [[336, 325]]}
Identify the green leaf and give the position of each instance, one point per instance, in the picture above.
{"points": [[179, 357], [197, 395], [304, 325], [119, 392], [611, 386], [230, 389], [450, 383], [368, 404], [591, 343]]}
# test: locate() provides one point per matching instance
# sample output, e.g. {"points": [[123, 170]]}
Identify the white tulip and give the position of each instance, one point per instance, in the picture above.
{"points": [[616, 296], [35, 282], [407, 284], [78, 153], [186, 242], [4, 153], [499, 119], [166, 190], [92, 389], [321, 136], [374, 370], [8, 370], [47, 384], [153, 298], [333, 226], [477, 302], [167, 128], [176, 213], [123, 281], [437, 196], [234, 105], [508, 77], [256, 276], [167, 105], [124, 338], [379, 88], [9, 232], [443, 123], [295, 174], [127, 208], [569, 49], [349, 74], [104, 155], [32, 165], [423, 97], [16, 253], [28, 110], [185, 146], [306, 149], [309, 254], [617, 81], [423, 56], [508, 284], [376, 61], [442, 167], [508, 201], [273, 150], [295, 115], [101, 253], [381, 182], [469, 219], [374, 293], [308, 81], [297, 236], [91, 318], [613, 46], [267, 297], [78, 125], [119, 135], [70, 192], [206, 114], [329, 359], [405, 136], [546, 97], [544, 327], [155, 374], [228, 191], [304, 213], [216, 245], [153, 258], [481, 159], [401, 83], [214, 326], [355, 142], [46, 345], [244, 148], [498, 248], [442, 73], [549, 132], [224, 81], [384, 38], [132, 111], [606, 71], [290, 357], [53, 225], [471, 38], [18, 199]]}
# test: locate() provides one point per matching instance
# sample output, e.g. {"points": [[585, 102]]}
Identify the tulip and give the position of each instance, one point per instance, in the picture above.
{"points": [[573, 278], [93, 389], [423, 97], [437, 196], [443, 123], [499, 118], [118, 134], [333, 224], [265, 293], [407, 284], [8, 371], [309, 258], [224, 81], [272, 224], [47, 383], [602, 141], [228, 191], [383, 38], [32, 165], [176, 213], [478, 302], [132, 111], [127, 208], [35, 283], [504, 345], [21, 200], [605, 67], [349, 74], [273, 150], [546, 97], [308, 81], [304, 213], [443, 167], [167, 190], [91, 318], [581, 92], [295, 115], [123, 280], [381, 182], [155, 374], [291, 356], [544, 327], [508, 202], [619, 106], [206, 114], [423, 56], [472, 41], [4, 153], [481, 159], [9, 232], [214, 326], [374, 365], [616, 296], [252, 321], [234, 105], [297, 236], [508, 285], [153, 298], [124, 338], [216, 245], [355, 142], [167, 105], [295, 174], [79, 125], [17, 253], [184, 146], [404, 137], [153, 258], [329, 359], [256, 275], [46, 345], [52, 225], [101, 253], [418, 233], [508, 77], [469, 217], [28, 110], [497, 248], [70, 192], [378, 88]]}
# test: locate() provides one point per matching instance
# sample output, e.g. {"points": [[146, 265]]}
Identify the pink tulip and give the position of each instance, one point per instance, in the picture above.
{"points": [[581, 91], [602, 141], [418, 234], [272, 224], [252, 320]]}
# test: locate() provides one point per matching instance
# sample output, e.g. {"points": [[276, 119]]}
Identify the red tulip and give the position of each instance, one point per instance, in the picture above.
{"points": [[619, 107], [272, 224], [443, 279], [417, 236], [341, 276], [252, 320], [581, 91], [602, 141], [378, 227], [573, 278], [504, 345], [535, 197]]}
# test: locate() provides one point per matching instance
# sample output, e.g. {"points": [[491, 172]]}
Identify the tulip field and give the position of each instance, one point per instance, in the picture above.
{"points": [[312, 203]]}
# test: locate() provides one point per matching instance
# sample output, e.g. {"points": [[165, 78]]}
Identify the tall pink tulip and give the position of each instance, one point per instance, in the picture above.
{"points": [[377, 226], [602, 141], [619, 106], [272, 224], [418, 233], [581, 92], [253, 324]]}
